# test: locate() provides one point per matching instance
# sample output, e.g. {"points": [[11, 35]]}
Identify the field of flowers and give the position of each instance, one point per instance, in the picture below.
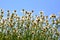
{"points": [[28, 27]]}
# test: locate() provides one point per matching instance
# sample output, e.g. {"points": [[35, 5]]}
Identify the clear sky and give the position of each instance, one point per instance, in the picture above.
{"points": [[48, 6]]}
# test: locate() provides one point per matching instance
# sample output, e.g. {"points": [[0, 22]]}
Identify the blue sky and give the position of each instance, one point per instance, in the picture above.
{"points": [[48, 6]]}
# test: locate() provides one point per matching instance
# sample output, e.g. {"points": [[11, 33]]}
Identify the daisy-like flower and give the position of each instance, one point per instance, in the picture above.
{"points": [[53, 21], [32, 11], [12, 15], [41, 20], [35, 22], [1, 9], [14, 31], [18, 36], [57, 33], [2, 12], [23, 10], [43, 17], [28, 18], [47, 27], [11, 19], [33, 32], [8, 31], [37, 18], [44, 29], [53, 16], [23, 18], [11, 25], [36, 26], [41, 12], [14, 10], [46, 17], [28, 13], [46, 21], [15, 16]]}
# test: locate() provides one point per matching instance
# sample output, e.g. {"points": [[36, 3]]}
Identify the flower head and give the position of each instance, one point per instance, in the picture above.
{"points": [[14, 10], [32, 11], [8, 11], [33, 32], [41, 12], [53, 16]]}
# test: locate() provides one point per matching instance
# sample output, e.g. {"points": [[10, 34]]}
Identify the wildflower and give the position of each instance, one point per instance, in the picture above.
{"points": [[11, 25], [41, 12], [8, 31], [43, 17], [32, 11], [53, 22], [12, 14], [57, 33], [26, 12], [53, 16], [37, 19], [35, 22], [42, 33], [14, 10], [36, 26], [45, 30], [41, 20], [14, 31], [23, 18], [15, 16], [18, 36], [47, 27], [46, 21], [22, 9], [18, 17], [46, 17], [33, 32], [28, 18], [49, 38], [2, 12], [8, 11], [3, 21], [25, 27], [11, 19]]}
